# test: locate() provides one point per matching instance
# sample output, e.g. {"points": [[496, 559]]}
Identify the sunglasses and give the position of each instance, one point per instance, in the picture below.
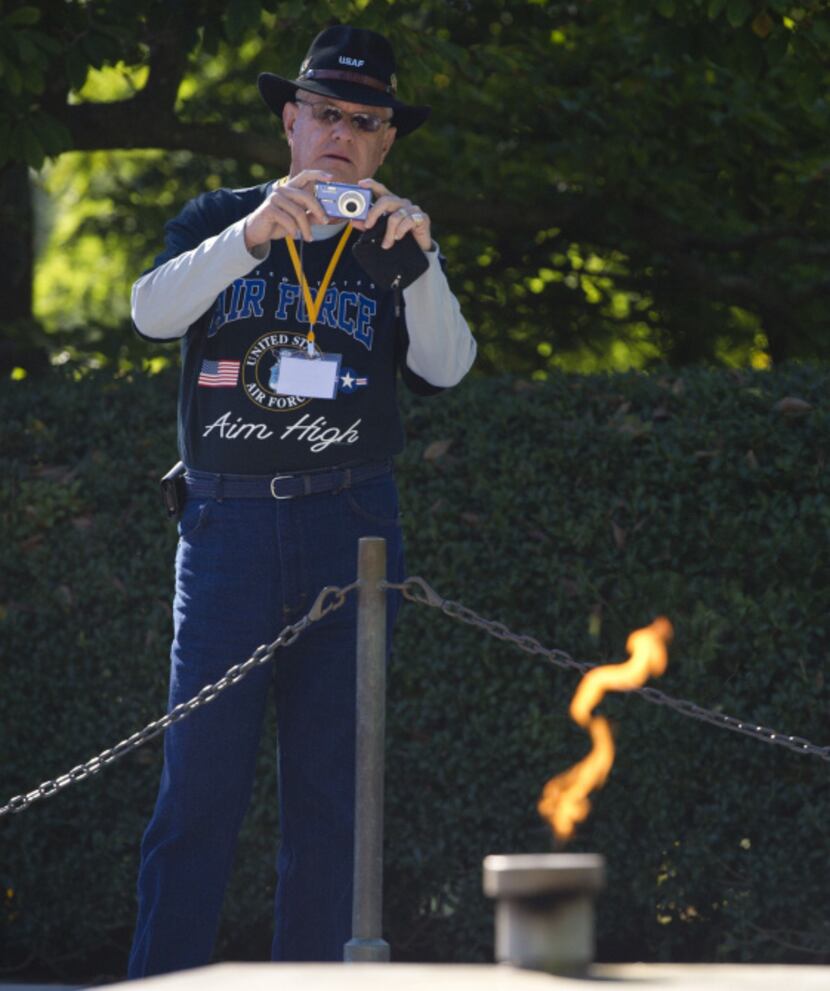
{"points": [[329, 115]]}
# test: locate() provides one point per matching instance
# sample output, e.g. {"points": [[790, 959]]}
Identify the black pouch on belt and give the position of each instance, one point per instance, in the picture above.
{"points": [[174, 490], [389, 268]]}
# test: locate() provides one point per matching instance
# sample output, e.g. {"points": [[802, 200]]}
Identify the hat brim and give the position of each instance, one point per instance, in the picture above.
{"points": [[276, 92]]}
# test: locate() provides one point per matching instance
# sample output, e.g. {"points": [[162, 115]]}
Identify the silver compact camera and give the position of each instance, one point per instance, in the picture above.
{"points": [[343, 201]]}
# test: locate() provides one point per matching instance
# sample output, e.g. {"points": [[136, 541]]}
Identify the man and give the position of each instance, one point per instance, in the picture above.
{"points": [[280, 486]]}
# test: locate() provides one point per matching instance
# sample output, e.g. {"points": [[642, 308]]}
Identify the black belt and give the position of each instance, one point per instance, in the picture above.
{"points": [[206, 485]]}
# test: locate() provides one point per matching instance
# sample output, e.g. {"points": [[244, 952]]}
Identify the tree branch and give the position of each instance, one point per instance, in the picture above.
{"points": [[167, 63], [140, 123], [811, 292]]}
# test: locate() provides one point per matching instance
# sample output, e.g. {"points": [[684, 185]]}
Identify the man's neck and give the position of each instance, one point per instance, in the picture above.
{"points": [[321, 232]]}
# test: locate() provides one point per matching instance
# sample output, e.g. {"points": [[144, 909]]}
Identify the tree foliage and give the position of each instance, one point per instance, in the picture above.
{"points": [[613, 183]]}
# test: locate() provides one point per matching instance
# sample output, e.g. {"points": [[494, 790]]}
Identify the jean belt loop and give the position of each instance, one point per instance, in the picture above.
{"points": [[347, 481], [306, 484], [342, 481], [220, 487]]}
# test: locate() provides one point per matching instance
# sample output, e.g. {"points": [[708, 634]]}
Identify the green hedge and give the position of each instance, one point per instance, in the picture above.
{"points": [[573, 510]]}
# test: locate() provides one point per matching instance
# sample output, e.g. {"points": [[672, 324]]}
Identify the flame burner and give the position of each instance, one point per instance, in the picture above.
{"points": [[545, 908]]}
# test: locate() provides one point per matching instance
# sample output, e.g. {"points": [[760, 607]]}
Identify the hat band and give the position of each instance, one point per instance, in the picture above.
{"points": [[349, 77]]}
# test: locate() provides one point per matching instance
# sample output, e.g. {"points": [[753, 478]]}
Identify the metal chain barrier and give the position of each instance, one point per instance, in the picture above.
{"points": [[416, 590], [419, 591], [329, 599]]}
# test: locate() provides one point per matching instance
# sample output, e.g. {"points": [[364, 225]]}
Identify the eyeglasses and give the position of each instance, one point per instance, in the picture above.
{"points": [[330, 115]]}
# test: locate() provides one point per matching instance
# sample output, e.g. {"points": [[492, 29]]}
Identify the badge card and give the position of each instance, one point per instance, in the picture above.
{"points": [[310, 378]]}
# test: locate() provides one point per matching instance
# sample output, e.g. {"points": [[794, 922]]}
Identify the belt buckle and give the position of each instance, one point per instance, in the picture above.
{"points": [[276, 479]]}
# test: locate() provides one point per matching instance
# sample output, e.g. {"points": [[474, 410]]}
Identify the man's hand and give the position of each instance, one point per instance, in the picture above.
{"points": [[289, 211], [404, 216]]}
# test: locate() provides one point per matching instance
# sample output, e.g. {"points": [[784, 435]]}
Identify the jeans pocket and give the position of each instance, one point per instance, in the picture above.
{"points": [[375, 502], [195, 516]]}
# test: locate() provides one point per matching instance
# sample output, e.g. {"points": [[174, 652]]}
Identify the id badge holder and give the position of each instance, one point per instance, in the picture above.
{"points": [[309, 378]]}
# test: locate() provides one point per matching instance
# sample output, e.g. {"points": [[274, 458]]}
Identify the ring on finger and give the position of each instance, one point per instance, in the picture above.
{"points": [[417, 217], [402, 211]]}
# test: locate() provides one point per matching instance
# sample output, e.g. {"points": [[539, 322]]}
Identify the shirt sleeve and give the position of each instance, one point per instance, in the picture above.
{"points": [[441, 348], [189, 274]]}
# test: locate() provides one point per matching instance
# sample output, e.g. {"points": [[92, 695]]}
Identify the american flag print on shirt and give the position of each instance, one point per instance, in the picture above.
{"points": [[219, 374]]}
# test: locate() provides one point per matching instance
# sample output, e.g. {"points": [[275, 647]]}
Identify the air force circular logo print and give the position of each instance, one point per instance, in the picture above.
{"points": [[261, 366]]}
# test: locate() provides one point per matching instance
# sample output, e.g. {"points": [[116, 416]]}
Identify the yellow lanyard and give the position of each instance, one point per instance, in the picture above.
{"points": [[313, 305]]}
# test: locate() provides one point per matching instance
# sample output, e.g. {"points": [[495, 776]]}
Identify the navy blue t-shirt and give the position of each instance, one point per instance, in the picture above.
{"points": [[231, 419]]}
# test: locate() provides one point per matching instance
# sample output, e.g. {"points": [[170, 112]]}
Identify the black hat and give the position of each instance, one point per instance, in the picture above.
{"points": [[349, 64]]}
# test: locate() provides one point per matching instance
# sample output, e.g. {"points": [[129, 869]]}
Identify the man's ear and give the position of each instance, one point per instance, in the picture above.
{"points": [[289, 116]]}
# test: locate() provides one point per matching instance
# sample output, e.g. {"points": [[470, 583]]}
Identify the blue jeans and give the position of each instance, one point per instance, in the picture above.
{"points": [[244, 569]]}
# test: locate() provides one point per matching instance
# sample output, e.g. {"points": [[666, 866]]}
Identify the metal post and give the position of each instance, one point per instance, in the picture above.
{"points": [[366, 945]]}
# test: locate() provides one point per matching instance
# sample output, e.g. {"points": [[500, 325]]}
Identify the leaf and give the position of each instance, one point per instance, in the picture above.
{"points": [[32, 77], [60, 474], [29, 52], [776, 48], [53, 135], [46, 42], [633, 426], [211, 39], [77, 67], [763, 24], [241, 16], [30, 149], [715, 8], [96, 47], [792, 406], [472, 519], [5, 131], [595, 622], [22, 17], [737, 11], [437, 449], [749, 54], [14, 82], [809, 85]]}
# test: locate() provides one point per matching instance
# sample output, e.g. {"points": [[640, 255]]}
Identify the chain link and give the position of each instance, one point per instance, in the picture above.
{"points": [[328, 600], [417, 590]]}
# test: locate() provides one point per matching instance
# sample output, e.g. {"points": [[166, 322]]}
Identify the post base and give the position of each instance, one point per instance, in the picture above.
{"points": [[366, 951]]}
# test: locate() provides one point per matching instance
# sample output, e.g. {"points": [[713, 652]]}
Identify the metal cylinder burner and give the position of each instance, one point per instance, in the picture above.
{"points": [[545, 908]]}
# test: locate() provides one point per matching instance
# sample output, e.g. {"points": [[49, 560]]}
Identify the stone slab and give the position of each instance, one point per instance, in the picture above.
{"points": [[485, 977]]}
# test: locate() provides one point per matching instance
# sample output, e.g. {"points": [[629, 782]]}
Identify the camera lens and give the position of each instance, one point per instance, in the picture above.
{"points": [[350, 203]]}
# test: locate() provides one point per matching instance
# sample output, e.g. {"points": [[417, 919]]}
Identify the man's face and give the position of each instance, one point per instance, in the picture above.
{"points": [[347, 153]]}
